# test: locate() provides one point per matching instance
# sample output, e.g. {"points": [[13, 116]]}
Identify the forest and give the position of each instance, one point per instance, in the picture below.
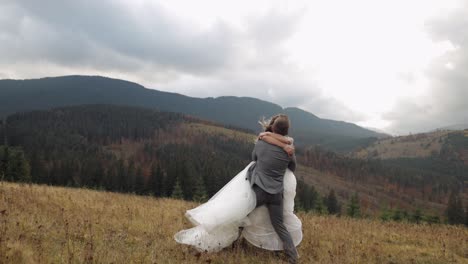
{"points": [[432, 178], [147, 152]]}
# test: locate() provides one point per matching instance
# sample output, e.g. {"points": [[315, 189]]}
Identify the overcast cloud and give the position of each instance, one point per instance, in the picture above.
{"points": [[106, 34], [446, 101], [331, 62]]}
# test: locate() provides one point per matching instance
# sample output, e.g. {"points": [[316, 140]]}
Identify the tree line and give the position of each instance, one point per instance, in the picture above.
{"points": [[73, 147], [430, 178], [136, 150]]}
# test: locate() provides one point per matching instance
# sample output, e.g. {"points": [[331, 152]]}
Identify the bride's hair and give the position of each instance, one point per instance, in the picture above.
{"points": [[267, 124], [282, 126]]}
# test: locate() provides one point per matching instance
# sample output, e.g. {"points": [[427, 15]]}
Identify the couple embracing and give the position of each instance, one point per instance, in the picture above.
{"points": [[260, 199]]}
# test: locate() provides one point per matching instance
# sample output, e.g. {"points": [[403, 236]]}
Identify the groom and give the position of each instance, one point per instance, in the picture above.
{"points": [[266, 178]]}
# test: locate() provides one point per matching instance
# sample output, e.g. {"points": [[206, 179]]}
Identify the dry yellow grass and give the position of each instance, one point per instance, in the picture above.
{"points": [[40, 224]]}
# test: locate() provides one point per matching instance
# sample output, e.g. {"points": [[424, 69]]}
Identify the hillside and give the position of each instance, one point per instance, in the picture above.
{"points": [[243, 112], [413, 146], [40, 224], [379, 195], [404, 183], [127, 149], [442, 151], [143, 151], [448, 144]]}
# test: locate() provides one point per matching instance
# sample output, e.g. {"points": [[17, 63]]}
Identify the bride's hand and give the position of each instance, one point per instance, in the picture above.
{"points": [[261, 135], [289, 149]]}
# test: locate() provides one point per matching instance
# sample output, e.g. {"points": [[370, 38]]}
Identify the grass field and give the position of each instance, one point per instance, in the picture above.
{"points": [[40, 224]]}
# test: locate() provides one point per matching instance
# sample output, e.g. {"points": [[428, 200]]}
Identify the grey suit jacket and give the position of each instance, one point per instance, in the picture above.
{"points": [[270, 167]]}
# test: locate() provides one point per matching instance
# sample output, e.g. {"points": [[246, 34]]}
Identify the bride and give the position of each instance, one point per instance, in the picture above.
{"points": [[216, 222]]}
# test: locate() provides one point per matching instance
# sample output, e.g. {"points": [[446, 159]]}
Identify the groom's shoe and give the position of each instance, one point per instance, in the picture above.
{"points": [[293, 256], [285, 257], [293, 260]]}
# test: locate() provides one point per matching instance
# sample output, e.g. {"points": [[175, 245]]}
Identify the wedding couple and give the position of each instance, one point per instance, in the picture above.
{"points": [[260, 199]]}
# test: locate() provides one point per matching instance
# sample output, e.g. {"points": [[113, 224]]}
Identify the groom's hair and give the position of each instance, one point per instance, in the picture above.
{"points": [[281, 125]]}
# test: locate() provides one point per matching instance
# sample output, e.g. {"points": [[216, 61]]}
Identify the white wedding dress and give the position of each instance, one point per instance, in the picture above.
{"points": [[216, 222]]}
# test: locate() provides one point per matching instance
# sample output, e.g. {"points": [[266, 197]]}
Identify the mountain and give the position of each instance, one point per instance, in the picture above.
{"points": [[378, 130], [455, 127], [242, 112]]}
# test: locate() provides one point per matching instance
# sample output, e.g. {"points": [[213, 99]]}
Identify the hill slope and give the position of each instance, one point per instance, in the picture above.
{"points": [[131, 149], [244, 112], [433, 151], [421, 145], [40, 224]]}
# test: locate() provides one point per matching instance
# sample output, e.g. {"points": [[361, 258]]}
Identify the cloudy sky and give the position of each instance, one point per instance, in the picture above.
{"points": [[399, 65]]}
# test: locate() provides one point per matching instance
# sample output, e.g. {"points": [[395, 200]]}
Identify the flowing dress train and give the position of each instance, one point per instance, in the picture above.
{"points": [[216, 222]]}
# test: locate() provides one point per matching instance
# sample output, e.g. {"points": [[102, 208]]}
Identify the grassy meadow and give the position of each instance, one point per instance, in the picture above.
{"points": [[41, 224]]}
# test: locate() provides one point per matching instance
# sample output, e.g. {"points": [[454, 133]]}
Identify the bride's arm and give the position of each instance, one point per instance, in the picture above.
{"points": [[278, 137], [280, 143]]}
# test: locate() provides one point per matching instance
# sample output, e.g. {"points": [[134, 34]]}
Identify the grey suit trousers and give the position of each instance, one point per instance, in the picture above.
{"points": [[274, 203]]}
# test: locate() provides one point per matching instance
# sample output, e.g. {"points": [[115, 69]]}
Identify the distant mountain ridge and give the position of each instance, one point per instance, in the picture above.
{"points": [[243, 112], [455, 127]]}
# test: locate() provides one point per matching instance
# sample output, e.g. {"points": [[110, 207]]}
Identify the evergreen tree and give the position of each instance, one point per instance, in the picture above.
{"points": [[98, 175], [177, 192], [454, 212], [397, 215], [37, 169], [417, 216], [155, 180], [110, 177], [4, 158], [199, 194], [12, 168], [432, 219], [320, 206], [3, 135], [385, 214], [131, 177], [140, 186], [171, 177], [298, 204], [466, 216], [24, 168], [189, 179], [332, 203], [14, 165], [405, 215], [354, 209], [121, 176], [5, 168], [306, 196], [159, 181]]}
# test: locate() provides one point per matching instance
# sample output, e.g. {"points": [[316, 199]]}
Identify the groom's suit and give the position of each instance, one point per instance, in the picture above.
{"points": [[266, 177]]}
